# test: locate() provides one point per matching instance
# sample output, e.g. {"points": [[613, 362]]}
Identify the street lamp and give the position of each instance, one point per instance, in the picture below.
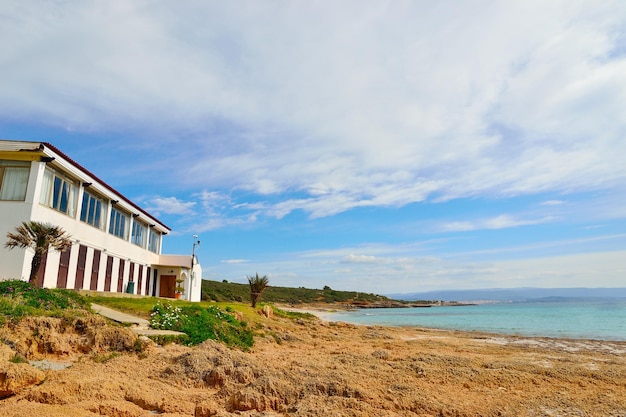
{"points": [[196, 242], [192, 274]]}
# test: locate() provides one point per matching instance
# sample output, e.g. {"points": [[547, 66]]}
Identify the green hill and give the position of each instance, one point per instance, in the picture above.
{"points": [[227, 291]]}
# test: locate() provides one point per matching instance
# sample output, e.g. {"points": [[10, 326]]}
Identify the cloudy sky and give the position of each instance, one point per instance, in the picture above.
{"points": [[382, 146]]}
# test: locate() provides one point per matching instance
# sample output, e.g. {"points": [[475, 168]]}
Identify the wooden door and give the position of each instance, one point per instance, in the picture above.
{"points": [[168, 286], [64, 266], [95, 270], [80, 268], [108, 274], [120, 276]]}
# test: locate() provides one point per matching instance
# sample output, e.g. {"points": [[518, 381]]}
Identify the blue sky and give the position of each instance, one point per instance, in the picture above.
{"points": [[379, 146]]}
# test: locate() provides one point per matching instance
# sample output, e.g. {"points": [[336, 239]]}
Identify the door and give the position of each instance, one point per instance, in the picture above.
{"points": [[80, 268], [108, 274], [64, 266], [95, 270], [168, 285], [120, 276], [42, 270]]}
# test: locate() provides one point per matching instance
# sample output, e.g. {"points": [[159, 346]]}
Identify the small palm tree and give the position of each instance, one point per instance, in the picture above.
{"points": [[39, 237], [257, 286]]}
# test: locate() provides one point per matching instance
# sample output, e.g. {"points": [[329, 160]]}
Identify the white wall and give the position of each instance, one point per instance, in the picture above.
{"points": [[16, 262]]}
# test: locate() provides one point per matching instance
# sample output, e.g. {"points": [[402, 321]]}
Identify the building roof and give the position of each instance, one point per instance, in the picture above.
{"points": [[48, 150]]}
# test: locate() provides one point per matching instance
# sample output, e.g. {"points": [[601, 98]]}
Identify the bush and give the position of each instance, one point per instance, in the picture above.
{"points": [[200, 324], [165, 316]]}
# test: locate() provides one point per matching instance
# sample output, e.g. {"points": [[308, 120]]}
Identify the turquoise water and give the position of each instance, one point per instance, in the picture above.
{"points": [[603, 319]]}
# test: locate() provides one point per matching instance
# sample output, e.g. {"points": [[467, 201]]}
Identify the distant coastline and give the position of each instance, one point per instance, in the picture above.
{"points": [[511, 294]]}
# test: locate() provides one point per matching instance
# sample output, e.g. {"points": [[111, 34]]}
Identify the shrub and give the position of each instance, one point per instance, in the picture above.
{"points": [[165, 316], [200, 324]]}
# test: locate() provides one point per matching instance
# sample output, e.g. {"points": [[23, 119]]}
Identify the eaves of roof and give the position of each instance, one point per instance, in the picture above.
{"points": [[41, 147]]}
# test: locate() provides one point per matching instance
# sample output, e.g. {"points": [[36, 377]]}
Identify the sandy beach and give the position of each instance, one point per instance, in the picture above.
{"points": [[312, 368]]}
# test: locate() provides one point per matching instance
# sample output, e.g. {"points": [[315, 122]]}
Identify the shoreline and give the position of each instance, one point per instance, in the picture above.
{"points": [[571, 344]]}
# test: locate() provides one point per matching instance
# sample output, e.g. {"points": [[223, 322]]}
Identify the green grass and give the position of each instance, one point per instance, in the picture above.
{"points": [[200, 323], [138, 306], [20, 298], [293, 315]]}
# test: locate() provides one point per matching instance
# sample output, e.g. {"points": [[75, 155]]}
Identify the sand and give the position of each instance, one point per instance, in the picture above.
{"points": [[320, 368]]}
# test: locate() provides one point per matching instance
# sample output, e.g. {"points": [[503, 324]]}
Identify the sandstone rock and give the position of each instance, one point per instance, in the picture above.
{"points": [[381, 354], [207, 408], [268, 311], [118, 339], [6, 352], [14, 377]]}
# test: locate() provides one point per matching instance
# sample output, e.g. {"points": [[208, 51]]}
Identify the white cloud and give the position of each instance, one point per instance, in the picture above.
{"points": [[234, 261], [503, 221], [553, 203], [170, 205], [362, 259], [357, 104]]}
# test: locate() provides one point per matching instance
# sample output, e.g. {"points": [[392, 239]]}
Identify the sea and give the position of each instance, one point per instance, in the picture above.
{"points": [[599, 319]]}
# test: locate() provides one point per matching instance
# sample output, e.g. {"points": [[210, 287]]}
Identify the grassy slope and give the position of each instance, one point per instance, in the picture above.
{"points": [[226, 291]]}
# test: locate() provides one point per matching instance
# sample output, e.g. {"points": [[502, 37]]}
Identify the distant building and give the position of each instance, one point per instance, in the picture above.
{"points": [[117, 244]]}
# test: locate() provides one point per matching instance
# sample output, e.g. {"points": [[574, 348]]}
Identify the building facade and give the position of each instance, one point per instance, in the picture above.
{"points": [[116, 244]]}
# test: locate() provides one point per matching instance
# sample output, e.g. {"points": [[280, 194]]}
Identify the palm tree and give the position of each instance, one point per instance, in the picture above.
{"points": [[257, 286], [39, 237]]}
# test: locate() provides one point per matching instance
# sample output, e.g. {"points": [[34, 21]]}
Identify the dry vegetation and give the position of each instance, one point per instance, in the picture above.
{"points": [[305, 368]]}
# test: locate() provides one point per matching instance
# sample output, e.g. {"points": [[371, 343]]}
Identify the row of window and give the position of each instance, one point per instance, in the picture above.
{"points": [[61, 193]]}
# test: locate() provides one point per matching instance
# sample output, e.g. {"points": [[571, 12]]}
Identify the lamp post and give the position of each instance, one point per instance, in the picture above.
{"points": [[196, 242]]}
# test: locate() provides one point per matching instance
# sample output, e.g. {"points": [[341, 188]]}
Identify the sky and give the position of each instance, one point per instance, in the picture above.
{"points": [[369, 145]]}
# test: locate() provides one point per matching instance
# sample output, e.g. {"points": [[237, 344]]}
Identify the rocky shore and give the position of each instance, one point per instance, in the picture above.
{"points": [[305, 368]]}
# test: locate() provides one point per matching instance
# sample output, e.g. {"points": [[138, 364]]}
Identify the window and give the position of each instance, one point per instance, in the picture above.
{"points": [[138, 237], [59, 192], [13, 180], [119, 223], [154, 241], [93, 210]]}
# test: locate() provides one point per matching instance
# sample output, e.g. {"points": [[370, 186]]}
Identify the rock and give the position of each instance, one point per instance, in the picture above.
{"points": [[268, 311], [207, 408], [112, 339], [381, 354], [6, 353], [14, 377]]}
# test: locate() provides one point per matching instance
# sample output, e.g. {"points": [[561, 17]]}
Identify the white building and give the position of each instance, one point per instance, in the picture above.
{"points": [[117, 244]]}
